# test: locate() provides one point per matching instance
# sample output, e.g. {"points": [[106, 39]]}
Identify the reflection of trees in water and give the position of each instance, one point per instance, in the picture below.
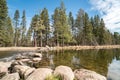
{"points": [[117, 54], [75, 61], [51, 61], [96, 60]]}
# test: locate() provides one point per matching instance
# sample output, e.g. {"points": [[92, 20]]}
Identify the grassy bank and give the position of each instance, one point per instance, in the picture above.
{"points": [[57, 48]]}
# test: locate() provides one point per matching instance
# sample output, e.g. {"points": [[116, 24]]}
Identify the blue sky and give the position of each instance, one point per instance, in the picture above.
{"points": [[92, 7]]}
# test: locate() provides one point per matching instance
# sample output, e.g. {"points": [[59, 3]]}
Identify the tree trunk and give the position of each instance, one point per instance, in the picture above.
{"points": [[41, 39], [47, 36], [35, 41], [57, 43]]}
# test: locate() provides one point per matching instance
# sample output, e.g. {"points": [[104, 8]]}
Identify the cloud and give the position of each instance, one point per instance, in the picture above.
{"points": [[109, 11]]}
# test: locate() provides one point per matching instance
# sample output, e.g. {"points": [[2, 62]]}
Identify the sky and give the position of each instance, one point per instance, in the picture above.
{"points": [[109, 10]]}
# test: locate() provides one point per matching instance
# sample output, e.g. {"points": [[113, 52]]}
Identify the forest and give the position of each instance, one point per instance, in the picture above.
{"points": [[61, 29]]}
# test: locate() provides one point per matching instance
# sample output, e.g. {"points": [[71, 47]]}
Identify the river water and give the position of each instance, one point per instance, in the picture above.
{"points": [[105, 62]]}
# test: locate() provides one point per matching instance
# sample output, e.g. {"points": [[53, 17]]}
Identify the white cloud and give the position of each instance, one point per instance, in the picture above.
{"points": [[110, 12]]}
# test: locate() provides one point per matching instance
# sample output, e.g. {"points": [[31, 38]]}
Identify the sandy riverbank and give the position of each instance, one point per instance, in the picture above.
{"points": [[57, 48]]}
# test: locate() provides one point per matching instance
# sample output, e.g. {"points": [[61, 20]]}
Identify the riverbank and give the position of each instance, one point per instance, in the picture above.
{"points": [[47, 48]]}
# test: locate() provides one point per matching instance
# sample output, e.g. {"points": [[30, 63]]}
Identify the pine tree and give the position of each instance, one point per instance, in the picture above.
{"points": [[56, 25], [3, 16], [71, 22], [102, 33], [29, 36], [60, 23], [45, 17], [79, 26], [88, 38], [9, 32], [23, 28], [96, 26], [40, 30], [17, 29], [34, 23], [116, 38]]}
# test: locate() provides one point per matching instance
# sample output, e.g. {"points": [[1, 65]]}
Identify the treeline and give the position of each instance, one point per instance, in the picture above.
{"points": [[60, 30]]}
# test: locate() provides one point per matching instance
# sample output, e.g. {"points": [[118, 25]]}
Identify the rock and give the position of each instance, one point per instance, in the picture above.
{"points": [[25, 60], [2, 74], [4, 67], [36, 55], [17, 62], [21, 69], [24, 71], [36, 59], [83, 74], [18, 57], [40, 74], [13, 76], [28, 72], [65, 72]]}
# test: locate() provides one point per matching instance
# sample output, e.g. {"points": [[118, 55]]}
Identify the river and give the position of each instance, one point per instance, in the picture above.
{"points": [[105, 61]]}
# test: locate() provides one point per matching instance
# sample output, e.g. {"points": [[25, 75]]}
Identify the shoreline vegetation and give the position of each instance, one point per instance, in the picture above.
{"points": [[47, 48]]}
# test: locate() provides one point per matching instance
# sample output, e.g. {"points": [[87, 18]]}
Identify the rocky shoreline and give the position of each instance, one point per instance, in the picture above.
{"points": [[23, 68]]}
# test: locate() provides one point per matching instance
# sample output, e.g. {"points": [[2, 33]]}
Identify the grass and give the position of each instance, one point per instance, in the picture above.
{"points": [[53, 77]]}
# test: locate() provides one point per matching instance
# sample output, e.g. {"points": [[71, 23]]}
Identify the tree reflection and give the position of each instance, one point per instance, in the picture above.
{"points": [[96, 60]]}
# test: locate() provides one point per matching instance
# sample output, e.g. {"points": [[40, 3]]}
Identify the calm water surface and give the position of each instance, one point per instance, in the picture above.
{"points": [[105, 62]]}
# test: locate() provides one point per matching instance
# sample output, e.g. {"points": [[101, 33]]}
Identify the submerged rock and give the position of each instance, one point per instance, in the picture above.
{"points": [[65, 72], [13, 76], [83, 74], [40, 74]]}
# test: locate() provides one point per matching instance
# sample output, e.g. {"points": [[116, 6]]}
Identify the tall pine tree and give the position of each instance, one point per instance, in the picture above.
{"points": [[3, 16], [23, 28], [17, 29], [45, 18], [60, 23]]}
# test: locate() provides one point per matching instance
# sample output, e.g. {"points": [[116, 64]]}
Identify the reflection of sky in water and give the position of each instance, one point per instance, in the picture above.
{"points": [[114, 70]]}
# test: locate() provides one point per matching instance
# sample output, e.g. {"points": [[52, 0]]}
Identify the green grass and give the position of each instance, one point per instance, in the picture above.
{"points": [[53, 77]]}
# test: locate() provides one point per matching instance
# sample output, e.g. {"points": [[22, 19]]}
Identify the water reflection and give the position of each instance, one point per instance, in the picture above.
{"points": [[114, 70], [75, 61], [105, 62], [96, 60], [51, 61]]}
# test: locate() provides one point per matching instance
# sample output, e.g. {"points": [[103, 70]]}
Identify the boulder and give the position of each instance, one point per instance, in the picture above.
{"points": [[36, 59], [19, 56], [28, 72], [17, 62], [21, 69], [64, 72], [25, 60], [40, 74], [4, 67], [83, 74], [24, 71], [36, 55], [13, 76]]}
